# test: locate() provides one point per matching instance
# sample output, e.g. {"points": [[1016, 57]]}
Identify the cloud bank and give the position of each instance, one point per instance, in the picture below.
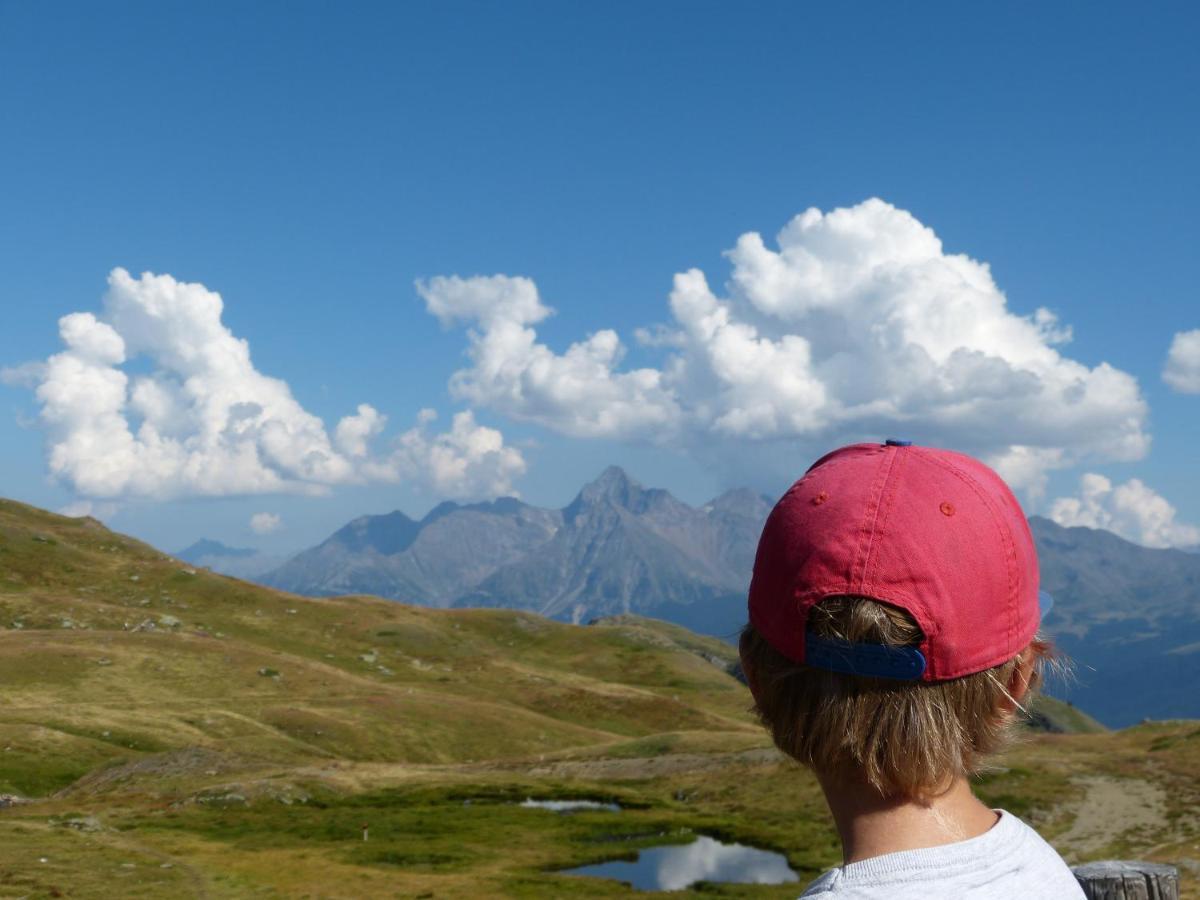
{"points": [[198, 419], [1182, 370], [1132, 510], [856, 324]]}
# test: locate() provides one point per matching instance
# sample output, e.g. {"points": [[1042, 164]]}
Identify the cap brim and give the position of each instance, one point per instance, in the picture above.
{"points": [[1045, 604]]}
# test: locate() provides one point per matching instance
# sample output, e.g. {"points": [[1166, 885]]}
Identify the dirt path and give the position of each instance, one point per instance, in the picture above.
{"points": [[196, 879], [1111, 807], [654, 766]]}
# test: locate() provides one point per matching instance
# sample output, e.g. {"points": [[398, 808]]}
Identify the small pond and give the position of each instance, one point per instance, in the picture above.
{"points": [[677, 866], [563, 806]]}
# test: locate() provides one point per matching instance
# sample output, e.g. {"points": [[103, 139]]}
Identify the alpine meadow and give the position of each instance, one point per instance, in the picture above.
{"points": [[169, 730]]}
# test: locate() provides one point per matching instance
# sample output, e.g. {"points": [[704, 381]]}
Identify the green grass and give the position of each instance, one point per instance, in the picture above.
{"points": [[1050, 714]]}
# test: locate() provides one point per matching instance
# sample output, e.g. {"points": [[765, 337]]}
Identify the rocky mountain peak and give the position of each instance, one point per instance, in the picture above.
{"points": [[614, 480], [613, 486], [445, 508], [741, 502], [386, 534]]}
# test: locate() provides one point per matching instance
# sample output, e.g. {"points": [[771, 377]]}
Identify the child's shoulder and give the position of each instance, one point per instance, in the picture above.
{"points": [[1010, 860]]}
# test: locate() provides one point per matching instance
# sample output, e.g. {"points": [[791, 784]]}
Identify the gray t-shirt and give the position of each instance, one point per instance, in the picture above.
{"points": [[1009, 860]]}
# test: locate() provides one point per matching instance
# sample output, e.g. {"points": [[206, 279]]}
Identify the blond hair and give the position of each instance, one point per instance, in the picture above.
{"points": [[905, 738]]}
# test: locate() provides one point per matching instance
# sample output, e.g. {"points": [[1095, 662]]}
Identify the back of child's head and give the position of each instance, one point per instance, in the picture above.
{"points": [[904, 738], [894, 604]]}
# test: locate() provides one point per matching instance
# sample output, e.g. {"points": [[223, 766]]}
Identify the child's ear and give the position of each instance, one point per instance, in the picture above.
{"points": [[1022, 677], [747, 669]]}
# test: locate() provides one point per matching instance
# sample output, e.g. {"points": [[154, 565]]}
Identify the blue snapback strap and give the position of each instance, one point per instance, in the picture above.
{"points": [[875, 660]]}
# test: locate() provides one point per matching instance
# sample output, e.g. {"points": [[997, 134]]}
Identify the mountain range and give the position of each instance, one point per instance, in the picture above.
{"points": [[618, 547], [1128, 617], [240, 562]]}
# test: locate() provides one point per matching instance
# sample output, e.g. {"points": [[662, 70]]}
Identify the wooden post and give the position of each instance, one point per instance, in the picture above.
{"points": [[1125, 880]]}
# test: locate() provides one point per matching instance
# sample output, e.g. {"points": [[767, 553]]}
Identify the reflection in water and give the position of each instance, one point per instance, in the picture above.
{"points": [[569, 805], [673, 868]]}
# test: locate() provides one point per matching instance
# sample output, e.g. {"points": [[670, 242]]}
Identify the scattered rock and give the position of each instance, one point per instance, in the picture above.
{"points": [[370, 657], [169, 622], [104, 661], [83, 823], [7, 800], [269, 673], [188, 571], [288, 794], [153, 768], [231, 798]]}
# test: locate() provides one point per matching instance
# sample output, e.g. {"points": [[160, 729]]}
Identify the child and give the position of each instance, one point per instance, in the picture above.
{"points": [[894, 612]]}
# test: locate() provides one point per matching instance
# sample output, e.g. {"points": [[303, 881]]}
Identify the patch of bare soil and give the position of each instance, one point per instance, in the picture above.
{"points": [[1110, 808], [189, 761], [655, 766]]}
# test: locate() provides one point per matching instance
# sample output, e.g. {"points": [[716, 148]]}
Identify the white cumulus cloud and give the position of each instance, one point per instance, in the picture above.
{"points": [[1182, 370], [855, 324], [579, 392], [1133, 510], [196, 418], [469, 460], [265, 522]]}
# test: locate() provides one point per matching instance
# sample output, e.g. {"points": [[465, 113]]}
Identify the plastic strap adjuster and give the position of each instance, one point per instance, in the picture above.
{"points": [[874, 660]]}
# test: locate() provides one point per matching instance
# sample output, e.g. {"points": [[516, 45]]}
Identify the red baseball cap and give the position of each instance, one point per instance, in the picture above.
{"points": [[933, 532]]}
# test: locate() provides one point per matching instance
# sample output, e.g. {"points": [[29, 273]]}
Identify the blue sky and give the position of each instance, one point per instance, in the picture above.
{"points": [[311, 161]]}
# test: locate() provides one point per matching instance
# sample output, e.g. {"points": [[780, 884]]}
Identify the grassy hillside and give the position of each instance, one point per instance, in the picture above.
{"points": [[181, 733]]}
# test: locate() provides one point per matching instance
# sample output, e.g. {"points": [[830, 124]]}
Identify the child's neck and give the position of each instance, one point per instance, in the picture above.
{"points": [[871, 825]]}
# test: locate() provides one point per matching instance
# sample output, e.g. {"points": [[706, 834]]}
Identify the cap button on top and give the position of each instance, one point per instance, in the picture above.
{"points": [[892, 442]]}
